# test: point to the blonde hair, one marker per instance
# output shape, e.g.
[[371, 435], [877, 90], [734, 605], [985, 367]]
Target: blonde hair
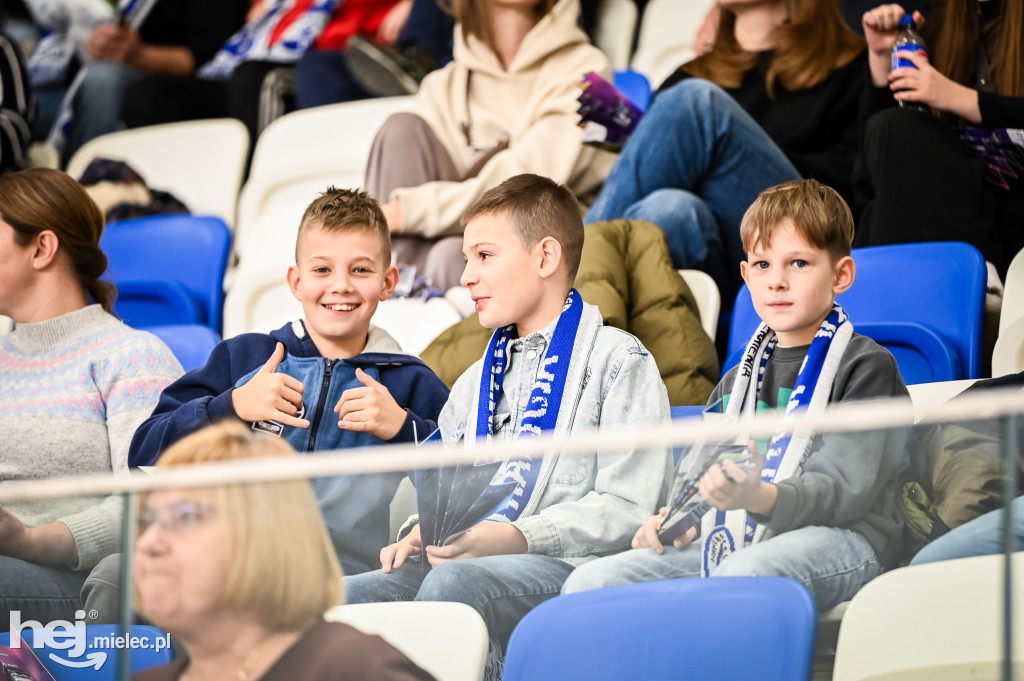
[[818, 212], [283, 567], [811, 45], [346, 210]]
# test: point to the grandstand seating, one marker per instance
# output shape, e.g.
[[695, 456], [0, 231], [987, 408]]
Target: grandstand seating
[[449, 640], [167, 265], [922, 301], [737, 628], [200, 162], [297, 156], [1008, 354], [190, 343], [613, 34], [939, 621]]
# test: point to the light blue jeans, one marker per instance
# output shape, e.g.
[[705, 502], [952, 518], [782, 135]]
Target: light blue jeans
[[39, 592], [982, 536], [97, 104], [694, 164], [501, 588], [831, 562]]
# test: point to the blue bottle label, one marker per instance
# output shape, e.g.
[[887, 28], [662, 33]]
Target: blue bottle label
[[899, 62]]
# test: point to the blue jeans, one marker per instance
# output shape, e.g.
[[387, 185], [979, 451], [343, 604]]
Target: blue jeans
[[97, 104], [39, 592], [501, 588], [693, 166], [831, 562], [982, 536]]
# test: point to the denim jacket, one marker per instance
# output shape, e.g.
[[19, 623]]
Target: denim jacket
[[589, 505]]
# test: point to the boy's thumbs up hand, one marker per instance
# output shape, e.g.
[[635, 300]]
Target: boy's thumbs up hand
[[270, 396], [370, 408]]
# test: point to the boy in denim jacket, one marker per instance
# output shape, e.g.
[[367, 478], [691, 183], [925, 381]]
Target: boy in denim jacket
[[328, 381], [551, 367]]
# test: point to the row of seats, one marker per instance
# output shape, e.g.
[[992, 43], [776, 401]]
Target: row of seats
[[924, 302], [748, 628]]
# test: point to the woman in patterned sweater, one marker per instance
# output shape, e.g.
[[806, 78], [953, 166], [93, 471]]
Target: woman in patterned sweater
[[75, 383]]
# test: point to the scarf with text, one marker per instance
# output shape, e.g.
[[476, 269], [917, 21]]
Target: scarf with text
[[542, 408], [725, 532]]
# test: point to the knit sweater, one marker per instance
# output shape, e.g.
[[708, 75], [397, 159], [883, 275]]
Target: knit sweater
[[73, 389]]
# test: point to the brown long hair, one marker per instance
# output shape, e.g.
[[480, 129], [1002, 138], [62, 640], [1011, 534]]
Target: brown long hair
[[813, 43], [39, 199], [958, 29], [474, 16]]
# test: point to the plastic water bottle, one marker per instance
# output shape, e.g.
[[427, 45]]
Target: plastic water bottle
[[908, 41]]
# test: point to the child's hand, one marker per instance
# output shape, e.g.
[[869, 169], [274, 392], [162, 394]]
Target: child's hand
[[371, 409], [393, 556], [647, 536], [488, 538], [728, 487], [270, 396]]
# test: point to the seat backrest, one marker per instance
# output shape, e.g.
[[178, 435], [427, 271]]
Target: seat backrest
[[1008, 353], [190, 343], [188, 250], [331, 140], [635, 86], [613, 33], [709, 301], [938, 621], [1013, 293], [200, 162], [667, 30], [923, 301], [737, 628], [449, 640], [101, 649]]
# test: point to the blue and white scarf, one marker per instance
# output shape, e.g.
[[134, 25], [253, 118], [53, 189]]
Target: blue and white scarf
[[252, 41], [545, 400], [725, 532]]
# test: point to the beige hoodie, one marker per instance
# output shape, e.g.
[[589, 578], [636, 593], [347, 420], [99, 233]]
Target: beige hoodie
[[532, 105]]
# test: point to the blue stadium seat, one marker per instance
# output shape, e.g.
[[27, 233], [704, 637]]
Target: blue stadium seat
[[922, 301], [635, 86], [167, 265], [98, 660], [190, 343], [675, 630]]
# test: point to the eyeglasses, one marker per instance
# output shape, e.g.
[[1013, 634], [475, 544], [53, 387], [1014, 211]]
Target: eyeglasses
[[176, 519]]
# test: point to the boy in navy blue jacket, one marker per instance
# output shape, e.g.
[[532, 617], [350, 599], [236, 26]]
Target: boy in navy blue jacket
[[328, 381]]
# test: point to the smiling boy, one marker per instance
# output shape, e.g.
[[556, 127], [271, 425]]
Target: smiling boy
[[328, 381], [551, 366], [825, 509]]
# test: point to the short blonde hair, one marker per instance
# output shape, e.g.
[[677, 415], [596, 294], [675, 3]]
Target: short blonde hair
[[346, 210], [283, 566], [818, 212]]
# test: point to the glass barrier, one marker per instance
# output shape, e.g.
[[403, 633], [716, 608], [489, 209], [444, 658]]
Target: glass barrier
[[228, 552]]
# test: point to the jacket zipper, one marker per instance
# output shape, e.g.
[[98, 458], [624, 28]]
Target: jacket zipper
[[324, 388]]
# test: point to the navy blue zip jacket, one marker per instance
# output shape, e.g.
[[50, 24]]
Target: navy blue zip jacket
[[356, 508]]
